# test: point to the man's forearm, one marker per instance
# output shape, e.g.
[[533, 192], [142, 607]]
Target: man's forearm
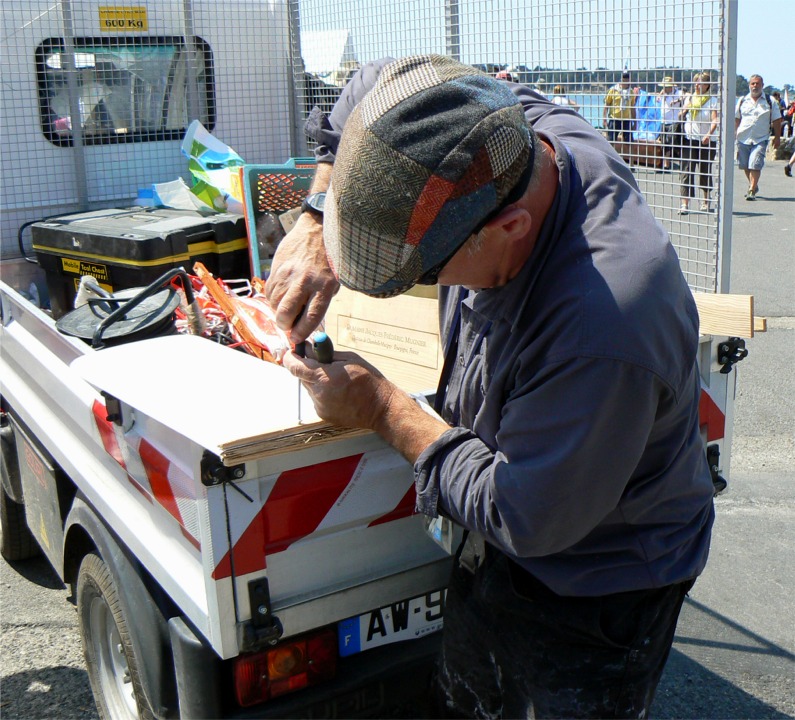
[[322, 178], [407, 427]]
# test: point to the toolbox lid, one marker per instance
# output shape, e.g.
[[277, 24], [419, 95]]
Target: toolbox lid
[[134, 234]]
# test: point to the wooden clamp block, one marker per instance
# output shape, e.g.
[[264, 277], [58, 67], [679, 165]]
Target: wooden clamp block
[[730, 315]]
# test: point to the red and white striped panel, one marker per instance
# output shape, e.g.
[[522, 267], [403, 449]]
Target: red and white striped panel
[[712, 415], [302, 504], [156, 477]]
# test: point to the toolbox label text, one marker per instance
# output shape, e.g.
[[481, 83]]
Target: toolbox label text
[[81, 267], [121, 19]]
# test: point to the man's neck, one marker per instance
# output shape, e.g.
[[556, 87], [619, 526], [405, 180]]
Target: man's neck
[[542, 191]]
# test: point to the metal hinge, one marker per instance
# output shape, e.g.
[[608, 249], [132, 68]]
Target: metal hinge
[[713, 460], [264, 628], [214, 472], [730, 352]]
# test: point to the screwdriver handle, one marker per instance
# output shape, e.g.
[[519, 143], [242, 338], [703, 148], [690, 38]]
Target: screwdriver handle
[[323, 347]]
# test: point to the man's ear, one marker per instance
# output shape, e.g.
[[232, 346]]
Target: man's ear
[[513, 223]]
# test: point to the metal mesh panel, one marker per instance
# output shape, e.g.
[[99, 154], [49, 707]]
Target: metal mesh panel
[[135, 75], [576, 47]]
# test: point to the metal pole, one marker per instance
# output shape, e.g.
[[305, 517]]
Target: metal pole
[[728, 92], [452, 21], [193, 106], [296, 82], [69, 63]]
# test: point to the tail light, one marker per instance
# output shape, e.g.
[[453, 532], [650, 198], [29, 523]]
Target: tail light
[[285, 668]]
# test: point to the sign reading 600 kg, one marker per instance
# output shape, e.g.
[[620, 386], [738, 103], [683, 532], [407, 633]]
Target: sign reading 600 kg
[[122, 19]]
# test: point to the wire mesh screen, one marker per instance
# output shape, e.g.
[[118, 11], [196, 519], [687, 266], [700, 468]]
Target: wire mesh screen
[[96, 98], [575, 52]]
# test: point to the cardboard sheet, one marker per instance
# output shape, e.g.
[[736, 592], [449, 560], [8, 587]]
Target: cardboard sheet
[[252, 404]]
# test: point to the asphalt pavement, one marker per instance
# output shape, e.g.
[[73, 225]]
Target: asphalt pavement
[[734, 651]]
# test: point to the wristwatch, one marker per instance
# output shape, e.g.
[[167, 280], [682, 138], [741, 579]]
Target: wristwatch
[[314, 203]]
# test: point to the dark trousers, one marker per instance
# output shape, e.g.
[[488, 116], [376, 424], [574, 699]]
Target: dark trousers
[[514, 649], [619, 128], [671, 140], [696, 167]]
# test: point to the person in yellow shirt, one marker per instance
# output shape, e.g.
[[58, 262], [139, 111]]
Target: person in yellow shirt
[[619, 110]]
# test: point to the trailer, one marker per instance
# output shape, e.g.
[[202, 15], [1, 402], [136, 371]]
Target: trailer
[[231, 555]]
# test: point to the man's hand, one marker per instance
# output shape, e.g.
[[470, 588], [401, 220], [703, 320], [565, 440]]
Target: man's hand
[[352, 393], [348, 391], [301, 285]]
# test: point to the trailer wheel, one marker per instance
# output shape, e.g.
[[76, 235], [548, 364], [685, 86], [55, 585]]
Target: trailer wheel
[[110, 657]]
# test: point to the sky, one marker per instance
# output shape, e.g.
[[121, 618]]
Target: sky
[[765, 41]]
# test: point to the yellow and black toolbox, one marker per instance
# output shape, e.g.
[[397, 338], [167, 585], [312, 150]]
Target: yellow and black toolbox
[[125, 248]]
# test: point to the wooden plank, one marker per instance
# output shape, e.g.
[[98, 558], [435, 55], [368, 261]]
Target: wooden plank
[[725, 314]]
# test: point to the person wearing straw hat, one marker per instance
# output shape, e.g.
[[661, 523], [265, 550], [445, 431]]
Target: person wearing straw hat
[[566, 440], [670, 100]]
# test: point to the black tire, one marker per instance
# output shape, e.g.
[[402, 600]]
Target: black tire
[[110, 658]]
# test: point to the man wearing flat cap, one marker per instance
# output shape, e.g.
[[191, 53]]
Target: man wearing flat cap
[[567, 442]]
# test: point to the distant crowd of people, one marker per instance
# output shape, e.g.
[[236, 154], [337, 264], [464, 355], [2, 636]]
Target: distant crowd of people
[[684, 123]]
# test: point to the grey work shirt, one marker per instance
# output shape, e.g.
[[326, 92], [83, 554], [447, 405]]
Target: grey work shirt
[[574, 395]]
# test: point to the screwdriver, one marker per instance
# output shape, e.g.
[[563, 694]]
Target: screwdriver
[[324, 353]]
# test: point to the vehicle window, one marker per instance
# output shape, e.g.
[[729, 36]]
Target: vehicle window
[[124, 90]]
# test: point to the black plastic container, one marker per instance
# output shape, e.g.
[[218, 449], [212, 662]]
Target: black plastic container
[[133, 247]]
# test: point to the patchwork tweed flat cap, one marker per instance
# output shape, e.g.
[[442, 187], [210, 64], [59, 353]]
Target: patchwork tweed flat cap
[[431, 152]]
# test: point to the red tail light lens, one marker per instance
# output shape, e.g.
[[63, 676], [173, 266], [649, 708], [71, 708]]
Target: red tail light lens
[[285, 668]]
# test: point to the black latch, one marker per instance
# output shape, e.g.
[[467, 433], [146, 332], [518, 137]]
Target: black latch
[[264, 627], [113, 406], [713, 460], [730, 352], [214, 472]]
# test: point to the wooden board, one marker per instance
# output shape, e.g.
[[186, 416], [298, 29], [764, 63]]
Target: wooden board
[[399, 335], [725, 314]]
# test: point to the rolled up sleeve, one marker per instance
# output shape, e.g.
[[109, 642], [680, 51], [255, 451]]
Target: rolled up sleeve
[[567, 444]]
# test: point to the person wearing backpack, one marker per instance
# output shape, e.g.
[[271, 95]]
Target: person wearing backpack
[[754, 116]]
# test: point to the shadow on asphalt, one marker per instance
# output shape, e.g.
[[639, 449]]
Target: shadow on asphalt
[[688, 689], [39, 571], [55, 692]]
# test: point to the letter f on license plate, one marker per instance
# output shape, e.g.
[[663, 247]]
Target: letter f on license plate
[[404, 620]]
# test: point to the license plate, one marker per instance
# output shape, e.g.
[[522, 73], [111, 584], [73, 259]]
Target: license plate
[[404, 620]]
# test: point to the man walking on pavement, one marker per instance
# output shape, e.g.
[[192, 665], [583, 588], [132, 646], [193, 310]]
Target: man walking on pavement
[[567, 442], [755, 115]]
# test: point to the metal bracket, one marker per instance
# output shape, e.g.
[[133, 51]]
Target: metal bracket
[[713, 460], [214, 472], [264, 627], [730, 352], [115, 414]]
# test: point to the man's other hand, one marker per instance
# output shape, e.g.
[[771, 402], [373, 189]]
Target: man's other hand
[[301, 284]]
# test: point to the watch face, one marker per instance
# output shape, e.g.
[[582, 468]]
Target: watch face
[[315, 201]]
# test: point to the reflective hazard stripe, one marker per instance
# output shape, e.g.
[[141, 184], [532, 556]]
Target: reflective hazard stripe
[[711, 417], [307, 502], [151, 473]]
